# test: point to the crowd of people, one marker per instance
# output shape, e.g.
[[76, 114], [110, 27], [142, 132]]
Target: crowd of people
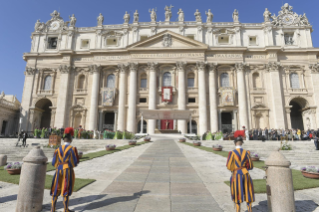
[[282, 134]]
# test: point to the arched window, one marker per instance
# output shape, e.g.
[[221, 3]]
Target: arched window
[[110, 82], [167, 80], [256, 80], [190, 80], [143, 81], [294, 81], [81, 82], [224, 80], [47, 83]]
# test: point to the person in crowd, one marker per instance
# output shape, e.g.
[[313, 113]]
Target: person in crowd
[[239, 163], [263, 135], [274, 135], [62, 131], [65, 158], [299, 134], [24, 138], [255, 134], [266, 133]]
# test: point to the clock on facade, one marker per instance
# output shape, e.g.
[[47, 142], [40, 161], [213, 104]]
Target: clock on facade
[[287, 19], [55, 25]]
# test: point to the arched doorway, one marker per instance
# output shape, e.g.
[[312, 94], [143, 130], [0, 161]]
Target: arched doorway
[[194, 127], [144, 127], [296, 113], [109, 121], [44, 106]]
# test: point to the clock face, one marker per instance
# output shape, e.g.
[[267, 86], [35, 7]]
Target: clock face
[[55, 25], [287, 19]]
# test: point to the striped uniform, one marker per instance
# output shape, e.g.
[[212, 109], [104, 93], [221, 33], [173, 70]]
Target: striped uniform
[[241, 187], [65, 158]]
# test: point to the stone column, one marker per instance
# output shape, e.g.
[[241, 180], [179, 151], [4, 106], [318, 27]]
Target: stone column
[[315, 79], [32, 181], [27, 96], [152, 95], [182, 125], [142, 120], [242, 101], [213, 97], [115, 121], [101, 121], [122, 96], [202, 103], [220, 119], [94, 103], [277, 97], [131, 118], [61, 110], [288, 117]]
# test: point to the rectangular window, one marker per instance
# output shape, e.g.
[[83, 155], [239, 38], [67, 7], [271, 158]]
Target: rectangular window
[[289, 39], [111, 41], [190, 82], [223, 40], [191, 100], [143, 37], [252, 41], [85, 44], [142, 100], [191, 37], [52, 43], [143, 83]]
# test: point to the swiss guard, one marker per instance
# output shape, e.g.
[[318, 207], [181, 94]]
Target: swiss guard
[[239, 163], [65, 158]]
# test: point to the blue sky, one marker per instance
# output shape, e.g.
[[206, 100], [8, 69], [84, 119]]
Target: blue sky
[[17, 19]]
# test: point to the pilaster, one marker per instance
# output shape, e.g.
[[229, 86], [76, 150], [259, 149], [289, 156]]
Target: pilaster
[[131, 122], [213, 97], [95, 72], [182, 125], [152, 68], [202, 102], [242, 100]]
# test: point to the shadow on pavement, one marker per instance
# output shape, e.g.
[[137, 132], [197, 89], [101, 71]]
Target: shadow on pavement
[[301, 206], [8, 198]]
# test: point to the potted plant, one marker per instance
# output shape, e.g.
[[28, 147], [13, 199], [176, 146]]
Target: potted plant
[[285, 146], [182, 140], [197, 143], [147, 139], [13, 168], [110, 147], [254, 156], [80, 154], [217, 147], [132, 142], [310, 172], [36, 133]]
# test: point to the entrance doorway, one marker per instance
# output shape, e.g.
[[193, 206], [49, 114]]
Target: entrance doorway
[[295, 116], [226, 122], [194, 127], [109, 121], [167, 124], [45, 106], [4, 127], [144, 127]]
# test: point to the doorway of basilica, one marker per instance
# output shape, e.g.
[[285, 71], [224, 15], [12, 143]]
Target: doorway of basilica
[[226, 122], [167, 124], [43, 105], [109, 121], [296, 116]]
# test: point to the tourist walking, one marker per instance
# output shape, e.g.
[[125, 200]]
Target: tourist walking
[[65, 158], [239, 163], [24, 138]]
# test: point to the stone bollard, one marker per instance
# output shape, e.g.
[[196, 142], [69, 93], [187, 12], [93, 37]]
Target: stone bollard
[[3, 160], [280, 189], [32, 180]]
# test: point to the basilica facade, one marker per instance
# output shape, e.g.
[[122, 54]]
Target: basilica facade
[[227, 74]]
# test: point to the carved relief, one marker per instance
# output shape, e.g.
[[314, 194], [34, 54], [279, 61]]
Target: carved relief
[[65, 69], [273, 66], [180, 65], [167, 40]]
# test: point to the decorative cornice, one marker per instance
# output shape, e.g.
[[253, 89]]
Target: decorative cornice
[[273, 66], [65, 69], [94, 68], [180, 65], [152, 66], [201, 65]]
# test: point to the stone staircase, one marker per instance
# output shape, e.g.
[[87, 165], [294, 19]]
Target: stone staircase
[[303, 153], [8, 146]]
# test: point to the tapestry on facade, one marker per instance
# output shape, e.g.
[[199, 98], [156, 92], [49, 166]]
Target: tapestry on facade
[[227, 96], [167, 94], [108, 96]]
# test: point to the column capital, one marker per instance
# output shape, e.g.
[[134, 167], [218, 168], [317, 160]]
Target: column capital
[[201, 65], [152, 66], [273, 66], [65, 69], [314, 68], [122, 67], [239, 67], [133, 66], [29, 71], [180, 65], [212, 66], [94, 68]]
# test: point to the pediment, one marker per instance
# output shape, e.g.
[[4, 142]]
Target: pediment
[[167, 40]]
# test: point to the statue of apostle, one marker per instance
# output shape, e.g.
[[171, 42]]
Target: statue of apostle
[[267, 15], [180, 15], [198, 16], [210, 16], [153, 15], [100, 20], [168, 13], [72, 20], [235, 16], [136, 17], [126, 18]]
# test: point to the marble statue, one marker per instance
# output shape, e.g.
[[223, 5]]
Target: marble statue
[[235, 16], [153, 15], [126, 18], [267, 15], [168, 13], [38, 27], [210, 16], [100, 20], [198, 16], [180, 15], [136, 17], [72, 20]]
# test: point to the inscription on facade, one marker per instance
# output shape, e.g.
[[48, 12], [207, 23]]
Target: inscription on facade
[[255, 56], [225, 55]]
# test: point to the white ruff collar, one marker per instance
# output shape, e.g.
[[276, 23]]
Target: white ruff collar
[[67, 143], [238, 147]]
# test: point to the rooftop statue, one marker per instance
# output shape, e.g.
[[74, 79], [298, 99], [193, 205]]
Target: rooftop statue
[[136, 17], [180, 15], [153, 15], [126, 18], [38, 27], [235, 16], [267, 15], [55, 15], [72, 20], [100, 20], [168, 12], [210, 16], [198, 16]]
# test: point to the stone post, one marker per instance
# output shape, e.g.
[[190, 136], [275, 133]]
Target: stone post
[[181, 94], [32, 180], [280, 189], [201, 68], [213, 98], [95, 71], [122, 97], [3, 160], [242, 102], [152, 95], [131, 124]]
